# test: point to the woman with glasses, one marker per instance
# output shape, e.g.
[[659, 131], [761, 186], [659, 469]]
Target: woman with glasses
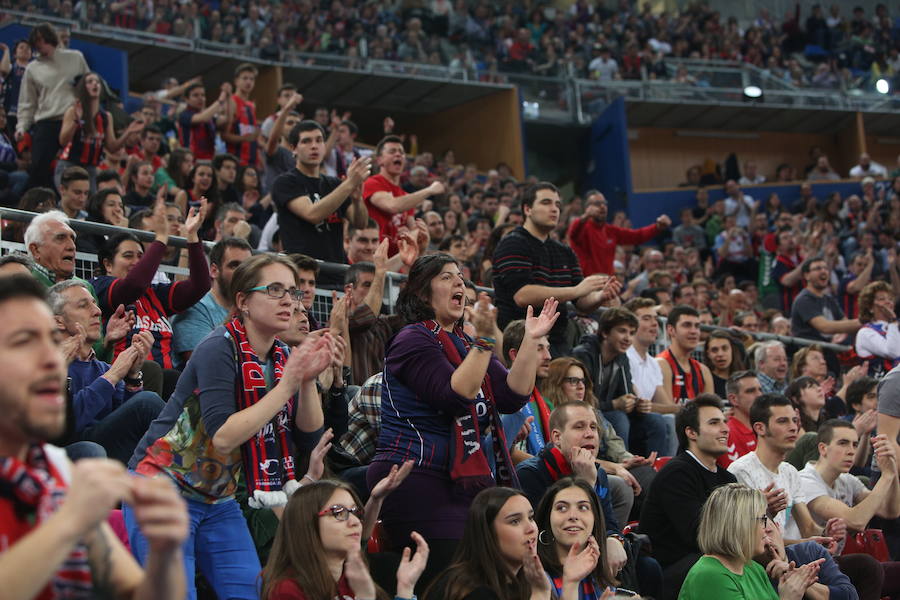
[[246, 407], [127, 280], [568, 381], [733, 529], [442, 391], [317, 550]]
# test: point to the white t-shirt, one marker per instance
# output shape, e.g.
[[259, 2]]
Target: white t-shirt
[[846, 489], [646, 374], [750, 471]]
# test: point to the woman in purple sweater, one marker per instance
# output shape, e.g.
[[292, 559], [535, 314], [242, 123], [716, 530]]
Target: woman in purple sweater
[[441, 397]]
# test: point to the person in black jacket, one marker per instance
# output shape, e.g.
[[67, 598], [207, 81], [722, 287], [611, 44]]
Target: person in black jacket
[[604, 354], [671, 512]]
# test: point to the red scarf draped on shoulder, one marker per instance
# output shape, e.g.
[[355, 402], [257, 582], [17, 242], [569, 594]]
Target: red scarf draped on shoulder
[[268, 456], [469, 469]]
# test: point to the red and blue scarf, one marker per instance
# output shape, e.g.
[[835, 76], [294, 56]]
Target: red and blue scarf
[[268, 456]]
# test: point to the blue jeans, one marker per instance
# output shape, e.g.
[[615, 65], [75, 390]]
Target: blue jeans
[[219, 543], [642, 433]]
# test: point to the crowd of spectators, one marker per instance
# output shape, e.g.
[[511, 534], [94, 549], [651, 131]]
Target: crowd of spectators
[[828, 48], [524, 441]]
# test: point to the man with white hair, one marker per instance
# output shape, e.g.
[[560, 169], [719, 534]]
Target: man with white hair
[[51, 243], [771, 367]]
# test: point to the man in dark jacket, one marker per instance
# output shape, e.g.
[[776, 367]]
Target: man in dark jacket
[[671, 512], [604, 355]]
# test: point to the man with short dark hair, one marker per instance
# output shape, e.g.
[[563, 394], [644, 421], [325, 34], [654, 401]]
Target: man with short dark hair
[[816, 314], [52, 513], [225, 167], [594, 240], [241, 132], [312, 207], [211, 310], [683, 375], [787, 270], [530, 267], [45, 95], [388, 204], [231, 221], [74, 188], [197, 123], [671, 512], [342, 150], [605, 355], [742, 388]]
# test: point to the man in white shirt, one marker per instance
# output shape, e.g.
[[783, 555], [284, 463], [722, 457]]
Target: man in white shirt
[[646, 374], [751, 175], [776, 425], [868, 168], [738, 204], [604, 67], [831, 491]]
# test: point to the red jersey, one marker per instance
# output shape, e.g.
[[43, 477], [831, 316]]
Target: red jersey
[[685, 385], [741, 441], [155, 160], [83, 150], [288, 589], [595, 243], [244, 123], [388, 224]]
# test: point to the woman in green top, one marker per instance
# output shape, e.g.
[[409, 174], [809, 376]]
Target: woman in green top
[[733, 529]]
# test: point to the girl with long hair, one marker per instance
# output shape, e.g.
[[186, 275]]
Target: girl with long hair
[[497, 557], [570, 523], [442, 390], [724, 357], [105, 206], [87, 130], [734, 527], [175, 172], [316, 552], [201, 184], [244, 408]]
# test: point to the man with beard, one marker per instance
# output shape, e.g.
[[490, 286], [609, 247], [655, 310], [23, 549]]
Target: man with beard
[[211, 310], [595, 241], [816, 314], [56, 541], [530, 267], [312, 207]]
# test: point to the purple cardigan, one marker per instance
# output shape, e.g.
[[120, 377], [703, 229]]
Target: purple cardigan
[[418, 405]]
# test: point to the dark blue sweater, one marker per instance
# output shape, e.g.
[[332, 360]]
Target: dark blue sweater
[[93, 397]]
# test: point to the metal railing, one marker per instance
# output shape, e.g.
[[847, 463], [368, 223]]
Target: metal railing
[[565, 98], [86, 266]]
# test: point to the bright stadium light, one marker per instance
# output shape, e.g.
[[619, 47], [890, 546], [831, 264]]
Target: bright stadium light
[[882, 86], [753, 92]]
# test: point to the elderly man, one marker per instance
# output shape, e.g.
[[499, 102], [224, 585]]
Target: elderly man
[[771, 367], [51, 243], [53, 516]]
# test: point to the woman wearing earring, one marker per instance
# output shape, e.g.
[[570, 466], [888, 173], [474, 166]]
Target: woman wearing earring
[[441, 392], [497, 556], [733, 529], [570, 522], [316, 553], [244, 405]]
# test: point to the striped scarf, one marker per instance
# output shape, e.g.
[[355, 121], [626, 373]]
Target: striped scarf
[[268, 456], [38, 491]]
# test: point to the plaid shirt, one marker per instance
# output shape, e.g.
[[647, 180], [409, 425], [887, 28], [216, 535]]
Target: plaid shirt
[[364, 423]]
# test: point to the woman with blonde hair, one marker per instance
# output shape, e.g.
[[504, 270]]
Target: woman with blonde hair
[[733, 529]]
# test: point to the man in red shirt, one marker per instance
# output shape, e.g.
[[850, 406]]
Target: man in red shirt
[[742, 389], [387, 203], [54, 538], [594, 241]]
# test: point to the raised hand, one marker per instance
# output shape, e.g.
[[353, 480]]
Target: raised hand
[[581, 563], [776, 499], [78, 109], [357, 573], [581, 461], [194, 220], [317, 456], [539, 326], [358, 170], [534, 574], [484, 316], [388, 125], [71, 346], [663, 222], [392, 480], [380, 256], [411, 566], [119, 324], [865, 422], [408, 248]]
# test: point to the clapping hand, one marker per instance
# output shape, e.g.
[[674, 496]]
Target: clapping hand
[[317, 456], [581, 563], [539, 326], [392, 480], [411, 566], [119, 324]]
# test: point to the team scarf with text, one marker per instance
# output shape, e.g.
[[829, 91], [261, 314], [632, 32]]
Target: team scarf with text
[[469, 469], [267, 456]]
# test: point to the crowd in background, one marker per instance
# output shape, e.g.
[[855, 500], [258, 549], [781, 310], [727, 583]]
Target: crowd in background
[[828, 48]]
